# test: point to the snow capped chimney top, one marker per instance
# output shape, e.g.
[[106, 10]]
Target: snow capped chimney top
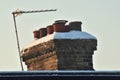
[[61, 35], [72, 31]]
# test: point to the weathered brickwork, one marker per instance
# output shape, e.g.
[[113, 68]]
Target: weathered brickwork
[[61, 54]]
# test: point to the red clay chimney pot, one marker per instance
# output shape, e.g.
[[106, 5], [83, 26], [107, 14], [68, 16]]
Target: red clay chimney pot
[[50, 29], [36, 34], [43, 32]]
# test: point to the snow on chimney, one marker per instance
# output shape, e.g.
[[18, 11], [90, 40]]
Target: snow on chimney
[[60, 47]]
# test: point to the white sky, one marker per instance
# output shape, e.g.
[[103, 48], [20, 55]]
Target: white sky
[[99, 17]]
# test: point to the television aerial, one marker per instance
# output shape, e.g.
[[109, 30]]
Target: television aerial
[[19, 12]]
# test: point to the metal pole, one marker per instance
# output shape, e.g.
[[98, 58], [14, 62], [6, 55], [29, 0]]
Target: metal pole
[[17, 41], [36, 11]]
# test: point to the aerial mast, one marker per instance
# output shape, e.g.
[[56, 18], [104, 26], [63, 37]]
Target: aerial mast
[[15, 14]]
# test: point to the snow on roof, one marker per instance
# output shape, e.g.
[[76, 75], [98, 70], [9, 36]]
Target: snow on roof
[[61, 35]]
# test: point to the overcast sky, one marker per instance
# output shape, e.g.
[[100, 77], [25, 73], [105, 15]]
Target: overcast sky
[[100, 18]]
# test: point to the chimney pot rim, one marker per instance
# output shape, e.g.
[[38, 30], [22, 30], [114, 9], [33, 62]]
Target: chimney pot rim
[[42, 29], [76, 22], [61, 21]]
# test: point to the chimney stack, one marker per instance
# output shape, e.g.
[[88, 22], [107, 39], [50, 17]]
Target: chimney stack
[[67, 49]]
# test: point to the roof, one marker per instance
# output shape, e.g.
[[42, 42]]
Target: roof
[[64, 75]]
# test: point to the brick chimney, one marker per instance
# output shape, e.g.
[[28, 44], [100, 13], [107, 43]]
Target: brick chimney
[[61, 49]]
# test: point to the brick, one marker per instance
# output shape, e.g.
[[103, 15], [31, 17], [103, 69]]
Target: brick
[[62, 54]]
